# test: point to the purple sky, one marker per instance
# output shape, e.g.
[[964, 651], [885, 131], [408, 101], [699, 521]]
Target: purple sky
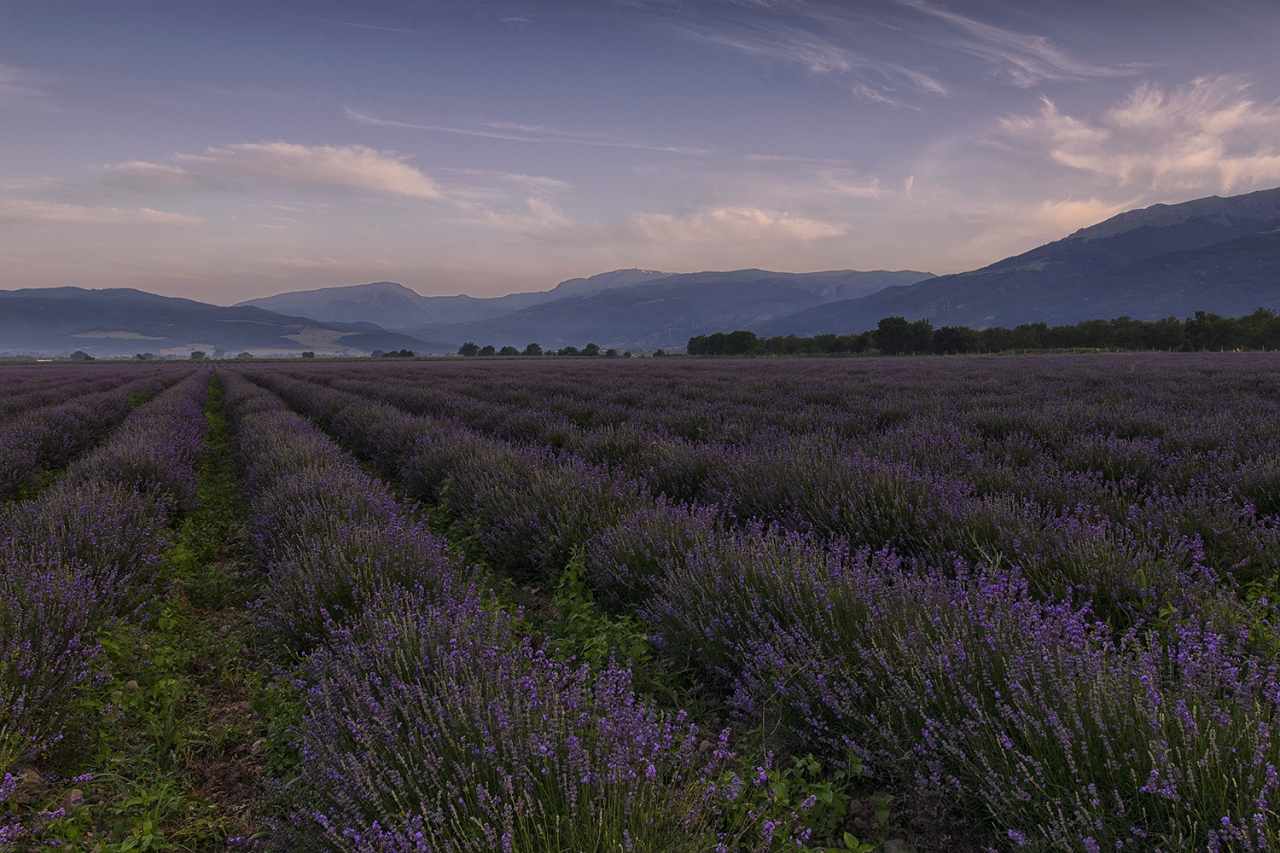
[[223, 151]]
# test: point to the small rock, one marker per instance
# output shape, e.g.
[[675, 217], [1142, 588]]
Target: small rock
[[131, 685], [706, 746], [71, 800], [896, 845], [258, 746], [31, 780]]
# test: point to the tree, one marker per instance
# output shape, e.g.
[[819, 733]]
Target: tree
[[197, 355], [591, 350], [245, 355], [611, 353], [488, 350], [533, 349], [955, 339], [81, 355], [1030, 336], [308, 354], [568, 351], [468, 349], [994, 339], [893, 336], [508, 350]]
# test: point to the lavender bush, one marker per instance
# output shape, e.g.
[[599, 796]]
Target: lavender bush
[[439, 728], [1025, 591], [329, 536], [83, 552]]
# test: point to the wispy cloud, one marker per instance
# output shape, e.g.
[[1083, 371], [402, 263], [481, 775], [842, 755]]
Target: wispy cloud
[[352, 167], [525, 133], [22, 212], [485, 180], [22, 84], [738, 226], [773, 40], [368, 26], [1024, 59], [889, 50], [1210, 134]]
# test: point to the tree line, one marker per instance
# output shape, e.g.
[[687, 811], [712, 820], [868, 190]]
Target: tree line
[[898, 336], [470, 349]]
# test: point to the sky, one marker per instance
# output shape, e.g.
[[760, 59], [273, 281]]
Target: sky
[[231, 150]]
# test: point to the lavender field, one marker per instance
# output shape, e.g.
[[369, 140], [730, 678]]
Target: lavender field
[[936, 604]]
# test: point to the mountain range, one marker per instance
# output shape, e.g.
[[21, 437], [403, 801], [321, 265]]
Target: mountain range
[[1213, 254], [123, 321]]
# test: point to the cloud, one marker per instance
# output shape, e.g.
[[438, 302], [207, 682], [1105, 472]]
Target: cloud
[[353, 167], [889, 49], [512, 132], [370, 27], [772, 40], [1209, 134], [721, 225], [22, 84], [304, 263], [140, 176], [717, 225], [21, 212], [1026, 60], [1055, 218], [539, 217]]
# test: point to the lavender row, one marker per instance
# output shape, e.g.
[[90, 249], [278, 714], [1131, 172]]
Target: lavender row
[[966, 692], [962, 680], [527, 508], [25, 387], [925, 493], [49, 437], [84, 552], [432, 723]]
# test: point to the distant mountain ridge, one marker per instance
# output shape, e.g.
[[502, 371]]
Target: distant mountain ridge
[[394, 306], [1211, 262], [124, 321], [1214, 254], [667, 311]]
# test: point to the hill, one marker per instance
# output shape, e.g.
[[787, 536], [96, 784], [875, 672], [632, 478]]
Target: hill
[[1148, 264], [124, 321], [394, 306], [667, 311]]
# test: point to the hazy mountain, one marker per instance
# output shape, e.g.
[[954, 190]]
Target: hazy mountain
[[1149, 263], [667, 311], [123, 321], [394, 306]]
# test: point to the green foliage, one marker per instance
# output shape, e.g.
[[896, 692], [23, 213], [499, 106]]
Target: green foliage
[[583, 632], [819, 807], [161, 727]]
